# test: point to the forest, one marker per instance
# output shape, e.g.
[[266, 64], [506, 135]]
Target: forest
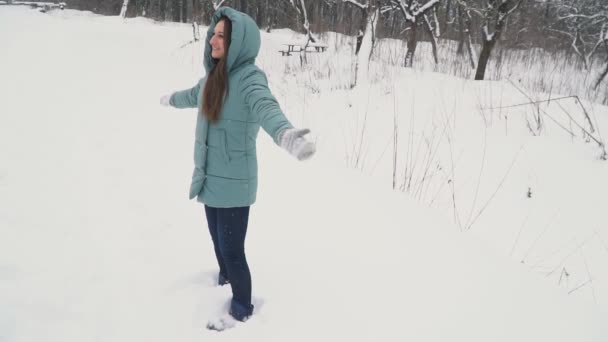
[[465, 35]]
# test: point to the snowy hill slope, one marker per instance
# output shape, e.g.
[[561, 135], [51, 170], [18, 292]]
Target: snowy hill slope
[[98, 241]]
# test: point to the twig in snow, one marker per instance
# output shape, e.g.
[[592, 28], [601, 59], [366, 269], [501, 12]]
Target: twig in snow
[[600, 143], [519, 234], [581, 245], [187, 43], [537, 264], [539, 237], [395, 138], [602, 241], [590, 277], [483, 162], [589, 281], [532, 102], [563, 274], [496, 191], [452, 187]]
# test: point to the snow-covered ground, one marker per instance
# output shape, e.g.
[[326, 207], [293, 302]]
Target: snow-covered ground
[[98, 241]]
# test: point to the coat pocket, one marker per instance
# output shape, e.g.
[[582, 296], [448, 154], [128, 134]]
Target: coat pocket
[[224, 145]]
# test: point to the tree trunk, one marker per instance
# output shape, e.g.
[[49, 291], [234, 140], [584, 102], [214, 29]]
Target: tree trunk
[[306, 24], [484, 57], [461, 28], [363, 27], [144, 8], [359, 41], [196, 12], [582, 54], [183, 9], [123, 10], [448, 9], [412, 42], [393, 24], [268, 17], [469, 39], [367, 46], [490, 39], [471, 50], [433, 38], [163, 9], [175, 10], [602, 75]]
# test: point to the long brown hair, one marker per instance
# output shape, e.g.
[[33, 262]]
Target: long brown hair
[[216, 87]]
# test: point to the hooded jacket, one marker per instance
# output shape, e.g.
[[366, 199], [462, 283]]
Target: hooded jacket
[[225, 163]]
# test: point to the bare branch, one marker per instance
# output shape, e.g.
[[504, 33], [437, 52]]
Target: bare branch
[[426, 7], [356, 3], [385, 9], [602, 16], [561, 32], [217, 3], [514, 8]]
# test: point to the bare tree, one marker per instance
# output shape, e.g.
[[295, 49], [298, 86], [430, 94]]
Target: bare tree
[[585, 24], [413, 11], [581, 21], [367, 36], [432, 26], [123, 10], [300, 7], [217, 4], [604, 36], [196, 19], [494, 16], [365, 8], [464, 19]]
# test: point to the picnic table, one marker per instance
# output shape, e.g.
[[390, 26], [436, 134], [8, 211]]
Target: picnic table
[[41, 5], [298, 47]]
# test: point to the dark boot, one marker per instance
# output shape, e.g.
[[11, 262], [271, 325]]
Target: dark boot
[[239, 311], [222, 280]]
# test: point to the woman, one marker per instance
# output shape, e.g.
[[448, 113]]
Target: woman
[[233, 101]]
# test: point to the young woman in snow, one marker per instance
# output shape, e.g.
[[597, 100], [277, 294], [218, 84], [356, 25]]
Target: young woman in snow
[[233, 102]]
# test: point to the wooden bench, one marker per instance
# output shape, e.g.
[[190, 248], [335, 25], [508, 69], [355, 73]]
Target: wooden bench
[[318, 47], [40, 5]]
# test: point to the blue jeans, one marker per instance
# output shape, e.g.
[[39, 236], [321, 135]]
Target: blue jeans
[[228, 227]]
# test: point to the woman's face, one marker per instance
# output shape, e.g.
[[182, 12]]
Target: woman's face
[[218, 47]]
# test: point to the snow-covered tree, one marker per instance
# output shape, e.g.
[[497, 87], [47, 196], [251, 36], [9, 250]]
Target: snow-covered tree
[[123, 10], [217, 4], [371, 15], [464, 20], [300, 7], [585, 24], [493, 15], [604, 39], [415, 12]]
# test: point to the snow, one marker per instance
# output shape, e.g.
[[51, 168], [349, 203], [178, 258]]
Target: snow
[[487, 35], [99, 242]]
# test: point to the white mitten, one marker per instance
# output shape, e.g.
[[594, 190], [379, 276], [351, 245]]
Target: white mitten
[[293, 141], [165, 100]]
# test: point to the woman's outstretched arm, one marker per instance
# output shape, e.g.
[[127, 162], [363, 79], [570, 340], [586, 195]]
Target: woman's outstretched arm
[[186, 98], [263, 104]]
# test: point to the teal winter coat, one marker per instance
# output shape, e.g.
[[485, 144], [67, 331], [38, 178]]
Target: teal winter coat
[[225, 163]]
